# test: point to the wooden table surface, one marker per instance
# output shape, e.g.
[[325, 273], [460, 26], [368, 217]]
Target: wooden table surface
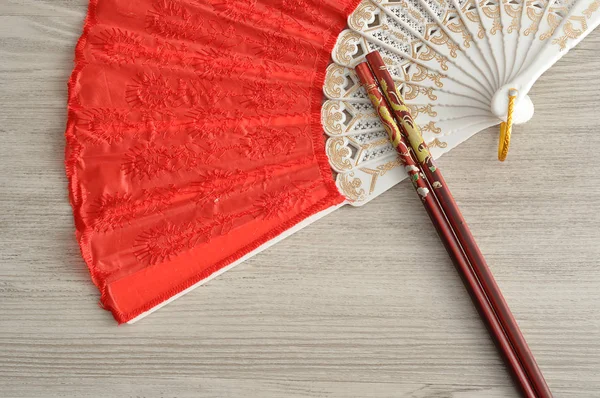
[[340, 309]]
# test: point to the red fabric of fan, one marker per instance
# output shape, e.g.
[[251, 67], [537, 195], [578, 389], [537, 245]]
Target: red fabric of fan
[[194, 137]]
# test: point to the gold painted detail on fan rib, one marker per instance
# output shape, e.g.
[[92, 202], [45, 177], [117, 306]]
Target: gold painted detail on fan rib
[[351, 187], [471, 13], [412, 91], [334, 80], [424, 74], [429, 54], [364, 13], [346, 47], [436, 143], [514, 12], [399, 35], [553, 20], [375, 144], [416, 110], [380, 171], [492, 11], [412, 11], [460, 28], [332, 117], [593, 7], [443, 39], [431, 127], [339, 154], [535, 15], [570, 30]]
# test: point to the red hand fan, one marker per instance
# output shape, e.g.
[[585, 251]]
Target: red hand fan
[[194, 138]]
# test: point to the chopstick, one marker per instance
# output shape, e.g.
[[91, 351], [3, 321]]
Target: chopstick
[[450, 225], [459, 225]]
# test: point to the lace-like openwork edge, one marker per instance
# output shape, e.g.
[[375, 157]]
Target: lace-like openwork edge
[[77, 196]]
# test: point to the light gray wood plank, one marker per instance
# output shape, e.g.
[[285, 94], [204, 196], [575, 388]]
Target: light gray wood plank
[[313, 316]]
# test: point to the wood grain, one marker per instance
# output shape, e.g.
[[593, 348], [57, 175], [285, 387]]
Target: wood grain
[[314, 316]]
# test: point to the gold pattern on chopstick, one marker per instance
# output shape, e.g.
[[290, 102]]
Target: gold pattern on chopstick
[[409, 127], [387, 120]]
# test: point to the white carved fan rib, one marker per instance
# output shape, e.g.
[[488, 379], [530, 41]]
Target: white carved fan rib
[[489, 14], [510, 16], [469, 14], [531, 16]]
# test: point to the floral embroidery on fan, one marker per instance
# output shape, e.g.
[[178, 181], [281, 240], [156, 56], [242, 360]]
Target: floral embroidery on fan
[[107, 125], [118, 46], [240, 11], [267, 142], [312, 9], [277, 46], [161, 90], [212, 64], [151, 160], [153, 91], [274, 204], [170, 19], [219, 185], [201, 124], [236, 11], [265, 96], [164, 242], [121, 47], [113, 211]]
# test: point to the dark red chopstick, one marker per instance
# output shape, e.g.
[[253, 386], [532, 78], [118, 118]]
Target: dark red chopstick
[[457, 238]]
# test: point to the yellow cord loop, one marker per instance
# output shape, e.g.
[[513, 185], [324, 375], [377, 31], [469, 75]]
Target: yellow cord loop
[[506, 127]]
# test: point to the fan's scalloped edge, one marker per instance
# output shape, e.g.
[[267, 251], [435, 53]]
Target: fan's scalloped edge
[[334, 198]]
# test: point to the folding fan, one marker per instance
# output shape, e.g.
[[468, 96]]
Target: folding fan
[[195, 136]]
